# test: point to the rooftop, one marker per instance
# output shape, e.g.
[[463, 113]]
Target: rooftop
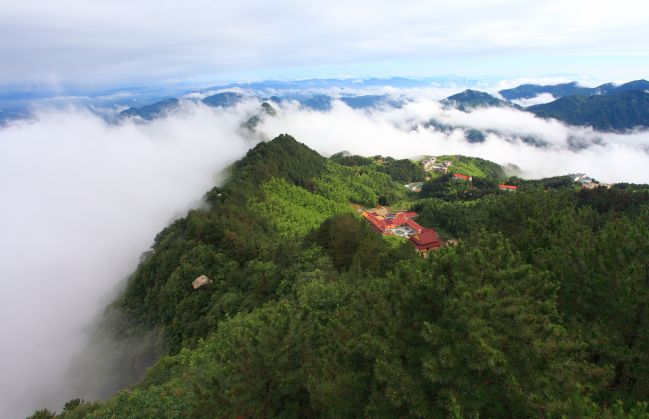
[[401, 224]]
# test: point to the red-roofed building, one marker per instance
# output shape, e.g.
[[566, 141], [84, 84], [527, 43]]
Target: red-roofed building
[[422, 238], [375, 221], [426, 240], [507, 187], [398, 220], [412, 224], [462, 177]]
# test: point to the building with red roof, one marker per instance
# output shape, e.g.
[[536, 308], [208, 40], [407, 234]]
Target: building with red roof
[[391, 221], [422, 238], [507, 187], [377, 222], [413, 224], [462, 177], [426, 240]]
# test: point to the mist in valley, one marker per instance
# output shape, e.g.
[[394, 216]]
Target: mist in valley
[[82, 199]]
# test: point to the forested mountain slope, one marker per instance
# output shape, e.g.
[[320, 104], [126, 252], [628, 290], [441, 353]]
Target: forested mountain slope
[[540, 310], [526, 91], [618, 112]]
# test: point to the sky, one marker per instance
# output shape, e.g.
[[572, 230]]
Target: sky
[[90, 44]]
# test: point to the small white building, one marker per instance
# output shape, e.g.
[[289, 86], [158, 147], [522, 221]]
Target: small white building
[[201, 281]]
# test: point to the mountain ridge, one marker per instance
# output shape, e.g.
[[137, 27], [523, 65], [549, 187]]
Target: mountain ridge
[[310, 312], [613, 112], [528, 91]]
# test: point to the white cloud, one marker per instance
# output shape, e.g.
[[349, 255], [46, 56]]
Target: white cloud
[[81, 201], [76, 41], [536, 100], [401, 133]]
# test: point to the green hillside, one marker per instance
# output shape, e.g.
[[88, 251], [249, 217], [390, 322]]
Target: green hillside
[[474, 166], [616, 112], [540, 310]]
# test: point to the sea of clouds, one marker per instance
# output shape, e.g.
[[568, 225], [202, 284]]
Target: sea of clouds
[[82, 199], [405, 133]]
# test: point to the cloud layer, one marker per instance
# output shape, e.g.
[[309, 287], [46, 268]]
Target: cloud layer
[[83, 199], [403, 133], [80, 42]]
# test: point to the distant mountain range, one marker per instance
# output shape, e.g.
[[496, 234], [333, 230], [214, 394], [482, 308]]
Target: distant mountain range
[[162, 107], [224, 99], [318, 102], [7, 115], [370, 101], [353, 84], [528, 91], [607, 107], [153, 111]]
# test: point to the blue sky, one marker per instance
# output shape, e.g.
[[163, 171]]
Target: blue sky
[[93, 44]]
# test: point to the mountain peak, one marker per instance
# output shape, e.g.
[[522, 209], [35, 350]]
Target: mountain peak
[[471, 99], [152, 111], [223, 99]]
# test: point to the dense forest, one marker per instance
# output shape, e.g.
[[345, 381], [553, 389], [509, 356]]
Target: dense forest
[[539, 309]]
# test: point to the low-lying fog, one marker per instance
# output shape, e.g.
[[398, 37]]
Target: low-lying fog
[[82, 199]]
